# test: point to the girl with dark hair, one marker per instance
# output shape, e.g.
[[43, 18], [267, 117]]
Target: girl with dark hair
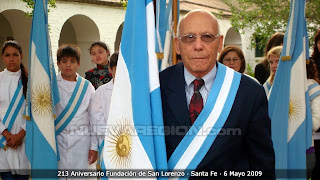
[[99, 75], [13, 87]]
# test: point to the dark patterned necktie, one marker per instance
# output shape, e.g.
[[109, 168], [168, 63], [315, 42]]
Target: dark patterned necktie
[[196, 103]]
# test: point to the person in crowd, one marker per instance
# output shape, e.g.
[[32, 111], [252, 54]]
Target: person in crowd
[[101, 103], [201, 94], [262, 71], [314, 92], [77, 148], [273, 57], [316, 51], [13, 87], [99, 75], [232, 56]]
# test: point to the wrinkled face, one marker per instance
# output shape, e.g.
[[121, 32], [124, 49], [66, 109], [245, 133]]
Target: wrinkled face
[[12, 58], [199, 57], [232, 60], [69, 67], [274, 61], [99, 55]]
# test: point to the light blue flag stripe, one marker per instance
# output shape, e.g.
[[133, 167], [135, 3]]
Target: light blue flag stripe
[[134, 51], [160, 25]]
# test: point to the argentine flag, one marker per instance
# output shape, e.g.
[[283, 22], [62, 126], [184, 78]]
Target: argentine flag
[[134, 137], [289, 105], [42, 95], [168, 35]]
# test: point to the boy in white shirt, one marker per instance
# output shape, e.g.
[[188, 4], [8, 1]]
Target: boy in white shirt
[[77, 147]]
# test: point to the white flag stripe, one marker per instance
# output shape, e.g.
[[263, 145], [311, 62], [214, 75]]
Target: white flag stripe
[[122, 108], [74, 103], [44, 121], [199, 139], [152, 58], [297, 93]]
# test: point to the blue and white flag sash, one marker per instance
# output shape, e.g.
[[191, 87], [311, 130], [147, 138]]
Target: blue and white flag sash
[[196, 143], [267, 88], [12, 112], [73, 105], [100, 160], [314, 90]]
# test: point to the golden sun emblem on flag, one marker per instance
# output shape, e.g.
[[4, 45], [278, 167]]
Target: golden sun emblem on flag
[[120, 139], [41, 100], [294, 108]]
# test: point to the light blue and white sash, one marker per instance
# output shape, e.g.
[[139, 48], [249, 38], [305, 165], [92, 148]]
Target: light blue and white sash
[[314, 90], [100, 161], [196, 143], [73, 105], [267, 88], [12, 111]]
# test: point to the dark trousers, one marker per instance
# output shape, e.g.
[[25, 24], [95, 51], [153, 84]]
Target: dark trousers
[[316, 171], [9, 176]]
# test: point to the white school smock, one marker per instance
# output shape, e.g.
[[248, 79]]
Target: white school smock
[[14, 160], [75, 140], [315, 108], [100, 108]]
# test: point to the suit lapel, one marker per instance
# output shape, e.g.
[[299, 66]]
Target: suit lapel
[[177, 96]]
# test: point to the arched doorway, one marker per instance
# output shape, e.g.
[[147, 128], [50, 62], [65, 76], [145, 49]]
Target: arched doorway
[[233, 38], [15, 25], [81, 31]]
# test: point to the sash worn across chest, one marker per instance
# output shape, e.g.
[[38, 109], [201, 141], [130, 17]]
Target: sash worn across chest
[[73, 105], [314, 90], [12, 112], [197, 142]]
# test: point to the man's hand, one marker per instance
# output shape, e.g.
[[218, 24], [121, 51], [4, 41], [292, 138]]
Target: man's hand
[[93, 156]]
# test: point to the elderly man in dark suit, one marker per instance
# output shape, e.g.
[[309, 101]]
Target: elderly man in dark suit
[[218, 118]]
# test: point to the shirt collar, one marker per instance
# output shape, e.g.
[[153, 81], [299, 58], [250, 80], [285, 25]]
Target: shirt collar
[[208, 78], [18, 73]]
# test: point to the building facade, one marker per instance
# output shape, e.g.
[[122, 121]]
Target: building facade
[[82, 22]]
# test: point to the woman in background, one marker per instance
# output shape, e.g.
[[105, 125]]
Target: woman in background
[[262, 71], [273, 57]]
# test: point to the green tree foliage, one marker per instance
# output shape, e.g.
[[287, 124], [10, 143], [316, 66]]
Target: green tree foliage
[[266, 17], [30, 4]]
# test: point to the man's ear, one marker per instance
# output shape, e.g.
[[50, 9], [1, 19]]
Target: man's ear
[[177, 42]]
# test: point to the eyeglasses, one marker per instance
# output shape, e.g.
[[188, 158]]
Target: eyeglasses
[[191, 38], [228, 60]]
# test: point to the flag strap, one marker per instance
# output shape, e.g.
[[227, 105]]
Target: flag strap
[[160, 56], [286, 58]]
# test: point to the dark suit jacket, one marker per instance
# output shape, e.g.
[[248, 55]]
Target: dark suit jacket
[[251, 149]]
